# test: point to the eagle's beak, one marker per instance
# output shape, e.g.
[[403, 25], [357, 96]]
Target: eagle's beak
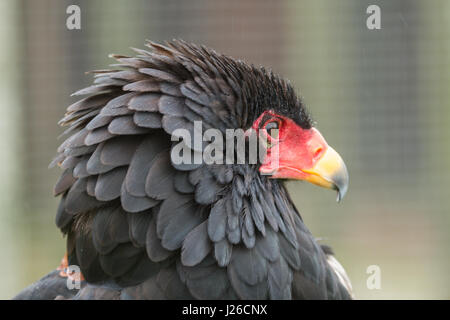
[[329, 172], [303, 154]]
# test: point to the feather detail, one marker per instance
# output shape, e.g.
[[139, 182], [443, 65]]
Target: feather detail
[[145, 102], [125, 125], [150, 120], [217, 221], [140, 165], [119, 151], [159, 183], [196, 246], [155, 250], [109, 184]]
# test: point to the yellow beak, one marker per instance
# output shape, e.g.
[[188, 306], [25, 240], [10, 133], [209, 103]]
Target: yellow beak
[[329, 172]]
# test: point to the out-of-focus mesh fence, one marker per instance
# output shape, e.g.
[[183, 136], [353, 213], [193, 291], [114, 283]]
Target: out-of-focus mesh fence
[[380, 97]]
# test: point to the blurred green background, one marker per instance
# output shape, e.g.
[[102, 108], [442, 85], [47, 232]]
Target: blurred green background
[[380, 97]]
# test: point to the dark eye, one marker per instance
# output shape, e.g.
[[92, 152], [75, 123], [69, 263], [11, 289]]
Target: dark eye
[[272, 129]]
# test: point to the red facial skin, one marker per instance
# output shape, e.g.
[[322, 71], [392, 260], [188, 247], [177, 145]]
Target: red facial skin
[[298, 148]]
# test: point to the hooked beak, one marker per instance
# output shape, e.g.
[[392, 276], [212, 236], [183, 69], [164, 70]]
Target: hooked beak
[[329, 172]]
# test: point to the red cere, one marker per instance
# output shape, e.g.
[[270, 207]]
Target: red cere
[[294, 149]]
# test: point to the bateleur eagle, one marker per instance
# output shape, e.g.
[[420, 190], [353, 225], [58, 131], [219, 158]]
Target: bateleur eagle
[[140, 226]]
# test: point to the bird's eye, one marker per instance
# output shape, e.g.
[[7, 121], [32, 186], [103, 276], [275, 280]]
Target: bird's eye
[[272, 129]]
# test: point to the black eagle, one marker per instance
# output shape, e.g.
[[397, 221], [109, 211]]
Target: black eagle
[[140, 226]]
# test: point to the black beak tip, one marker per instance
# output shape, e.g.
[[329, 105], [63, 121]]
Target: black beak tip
[[340, 196], [341, 185]]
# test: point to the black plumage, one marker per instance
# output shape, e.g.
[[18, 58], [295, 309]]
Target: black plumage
[[141, 227]]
